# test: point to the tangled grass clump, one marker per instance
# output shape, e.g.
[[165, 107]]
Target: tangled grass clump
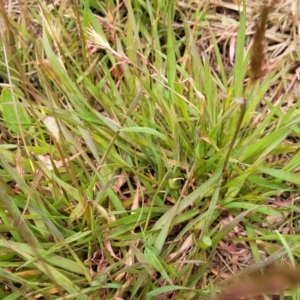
[[149, 149]]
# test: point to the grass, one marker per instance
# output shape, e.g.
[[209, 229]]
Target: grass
[[138, 159]]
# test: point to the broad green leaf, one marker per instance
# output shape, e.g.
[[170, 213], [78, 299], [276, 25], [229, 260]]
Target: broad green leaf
[[165, 289], [47, 256], [58, 277], [283, 175], [153, 261], [287, 247], [262, 147], [240, 65], [146, 130], [14, 112], [263, 209], [204, 236]]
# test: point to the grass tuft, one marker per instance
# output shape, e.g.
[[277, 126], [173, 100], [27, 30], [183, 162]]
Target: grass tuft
[[139, 159]]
